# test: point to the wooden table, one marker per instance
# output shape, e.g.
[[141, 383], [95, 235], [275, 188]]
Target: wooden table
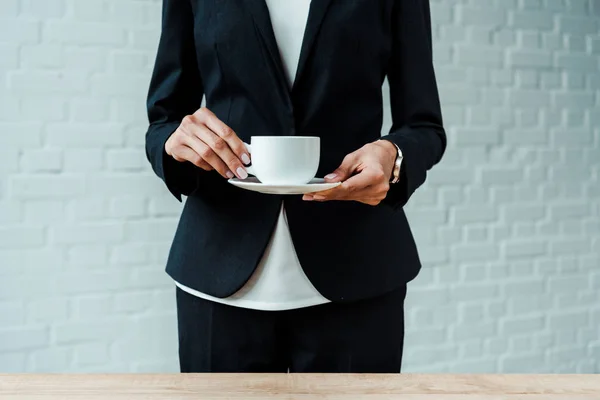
[[304, 387]]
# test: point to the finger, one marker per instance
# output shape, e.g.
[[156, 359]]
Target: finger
[[345, 170], [209, 156], [219, 147], [184, 153], [227, 134]]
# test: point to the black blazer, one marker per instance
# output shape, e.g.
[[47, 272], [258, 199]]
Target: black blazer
[[226, 50]]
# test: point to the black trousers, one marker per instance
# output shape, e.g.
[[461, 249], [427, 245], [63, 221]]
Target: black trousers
[[361, 337]]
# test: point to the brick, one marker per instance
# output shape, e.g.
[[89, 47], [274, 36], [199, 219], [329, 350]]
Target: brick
[[15, 339], [133, 302], [551, 80], [19, 31], [528, 325], [131, 253], [83, 160], [476, 233], [528, 40], [130, 111], [482, 56], [473, 252], [128, 207], [87, 233], [113, 85], [10, 56], [43, 8], [500, 176], [84, 135], [524, 248], [530, 59], [567, 320], [577, 25], [51, 360], [13, 362], [88, 255], [504, 37], [529, 98], [21, 237], [20, 134], [477, 136], [552, 41], [47, 82], [569, 210], [126, 159], [48, 309], [95, 306], [44, 211], [91, 354], [484, 16], [473, 292], [9, 108], [521, 363], [47, 160], [166, 206], [80, 33], [578, 62], [538, 20], [569, 284], [469, 214], [144, 39], [525, 212], [528, 79], [10, 211], [108, 329], [79, 59], [124, 184], [43, 108], [91, 10], [473, 331], [95, 281], [42, 56], [50, 186], [569, 246], [12, 313], [133, 61], [529, 287], [129, 14], [9, 8], [88, 209], [89, 110]]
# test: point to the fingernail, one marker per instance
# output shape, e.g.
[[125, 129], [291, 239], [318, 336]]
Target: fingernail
[[307, 198], [230, 174], [331, 176], [242, 174], [245, 159], [317, 197]]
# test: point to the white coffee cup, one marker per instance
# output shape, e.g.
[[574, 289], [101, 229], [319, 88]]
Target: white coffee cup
[[284, 160]]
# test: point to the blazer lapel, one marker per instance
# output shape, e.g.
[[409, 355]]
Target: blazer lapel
[[260, 13], [318, 9]]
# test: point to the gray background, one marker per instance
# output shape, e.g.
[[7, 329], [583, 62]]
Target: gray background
[[508, 224]]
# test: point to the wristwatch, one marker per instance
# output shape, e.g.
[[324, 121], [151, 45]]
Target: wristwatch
[[397, 164]]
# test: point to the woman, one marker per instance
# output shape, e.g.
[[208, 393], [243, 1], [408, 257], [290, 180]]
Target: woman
[[312, 283]]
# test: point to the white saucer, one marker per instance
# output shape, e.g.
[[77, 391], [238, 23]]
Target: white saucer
[[252, 183]]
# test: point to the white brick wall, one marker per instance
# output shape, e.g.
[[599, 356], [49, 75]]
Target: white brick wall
[[508, 224]]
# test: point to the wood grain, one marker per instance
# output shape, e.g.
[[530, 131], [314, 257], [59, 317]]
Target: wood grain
[[305, 387]]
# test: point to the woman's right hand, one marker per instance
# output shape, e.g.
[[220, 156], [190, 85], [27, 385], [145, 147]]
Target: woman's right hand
[[205, 141]]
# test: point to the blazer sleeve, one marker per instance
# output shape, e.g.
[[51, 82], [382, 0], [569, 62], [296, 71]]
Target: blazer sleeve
[[175, 91], [417, 126]]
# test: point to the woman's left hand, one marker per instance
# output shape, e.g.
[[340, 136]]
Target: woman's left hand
[[365, 175]]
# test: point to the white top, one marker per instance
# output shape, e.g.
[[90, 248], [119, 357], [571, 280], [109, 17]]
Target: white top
[[279, 283]]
